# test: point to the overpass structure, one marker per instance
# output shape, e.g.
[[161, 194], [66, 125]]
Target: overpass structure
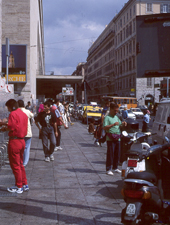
[[51, 85]]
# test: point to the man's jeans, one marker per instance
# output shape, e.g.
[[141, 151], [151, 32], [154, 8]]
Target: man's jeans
[[48, 133], [113, 155], [27, 150], [58, 138]]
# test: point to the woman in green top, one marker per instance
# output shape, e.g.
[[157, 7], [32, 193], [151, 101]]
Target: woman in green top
[[111, 126]]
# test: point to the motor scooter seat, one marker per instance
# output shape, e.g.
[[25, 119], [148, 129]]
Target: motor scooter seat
[[143, 176]]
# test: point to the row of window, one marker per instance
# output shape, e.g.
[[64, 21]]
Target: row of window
[[124, 83], [103, 71], [108, 57], [101, 52], [125, 50], [125, 33], [126, 18], [164, 8], [125, 66]]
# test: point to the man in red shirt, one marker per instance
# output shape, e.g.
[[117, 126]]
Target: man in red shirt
[[17, 127]]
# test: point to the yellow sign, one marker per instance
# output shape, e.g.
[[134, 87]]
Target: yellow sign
[[16, 78], [132, 90]]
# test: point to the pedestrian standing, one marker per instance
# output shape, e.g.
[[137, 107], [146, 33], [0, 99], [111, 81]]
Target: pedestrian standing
[[17, 127], [111, 125], [67, 114], [29, 106], [146, 118], [28, 137], [124, 113], [105, 112], [59, 121], [48, 129]]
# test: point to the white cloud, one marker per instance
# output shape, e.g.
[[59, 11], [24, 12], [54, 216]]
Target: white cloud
[[70, 26]]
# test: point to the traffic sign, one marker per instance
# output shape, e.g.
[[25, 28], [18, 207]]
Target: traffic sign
[[67, 91]]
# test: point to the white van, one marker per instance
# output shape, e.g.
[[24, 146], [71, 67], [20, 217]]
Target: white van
[[161, 124]]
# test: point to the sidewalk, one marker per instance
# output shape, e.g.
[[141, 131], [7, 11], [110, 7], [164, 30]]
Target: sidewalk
[[73, 189]]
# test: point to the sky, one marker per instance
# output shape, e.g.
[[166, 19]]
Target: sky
[[70, 28]]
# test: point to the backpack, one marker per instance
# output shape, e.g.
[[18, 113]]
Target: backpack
[[98, 132]]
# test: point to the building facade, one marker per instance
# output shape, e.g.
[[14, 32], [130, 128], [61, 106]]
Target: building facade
[[120, 58], [22, 24], [100, 65]]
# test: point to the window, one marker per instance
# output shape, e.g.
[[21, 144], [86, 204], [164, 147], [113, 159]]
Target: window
[[127, 16], [120, 22], [149, 82], [130, 13], [164, 8], [148, 7], [134, 26], [134, 9]]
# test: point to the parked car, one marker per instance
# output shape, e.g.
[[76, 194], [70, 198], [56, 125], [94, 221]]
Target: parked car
[[91, 112], [130, 114], [137, 112]]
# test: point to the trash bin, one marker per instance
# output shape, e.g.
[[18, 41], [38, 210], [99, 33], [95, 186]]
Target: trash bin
[[131, 128]]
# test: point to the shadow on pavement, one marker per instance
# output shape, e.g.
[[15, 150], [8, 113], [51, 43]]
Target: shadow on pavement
[[67, 219], [86, 145], [84, 170]]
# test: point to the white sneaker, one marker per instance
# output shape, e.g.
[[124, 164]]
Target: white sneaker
[[109, 172], [117, 171], [47, 159], [55, 149], [96, 143], [59, 148], [15, 189], [51, 157]]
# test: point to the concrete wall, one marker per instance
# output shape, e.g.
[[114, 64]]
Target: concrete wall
[[20, 23]]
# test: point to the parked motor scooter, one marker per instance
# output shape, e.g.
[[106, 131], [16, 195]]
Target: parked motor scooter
[[137, 146], [143, 192]]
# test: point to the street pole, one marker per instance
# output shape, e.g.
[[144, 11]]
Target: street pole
[[75, 93], [7, 55], [85, 94]]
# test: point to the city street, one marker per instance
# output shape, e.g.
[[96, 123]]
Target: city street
[[73, 189]]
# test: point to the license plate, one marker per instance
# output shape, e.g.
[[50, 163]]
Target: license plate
[[131, 209], [132, 163]]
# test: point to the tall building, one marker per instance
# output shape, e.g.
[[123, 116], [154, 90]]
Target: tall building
[[100, 73], [124, 76], [22, 24]]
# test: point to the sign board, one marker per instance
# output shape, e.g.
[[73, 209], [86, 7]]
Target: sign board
[[16, 78], [9, 88], [67, 91], [17, 63]]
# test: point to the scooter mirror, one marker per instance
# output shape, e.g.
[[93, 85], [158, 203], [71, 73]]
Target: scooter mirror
[[124, 133]]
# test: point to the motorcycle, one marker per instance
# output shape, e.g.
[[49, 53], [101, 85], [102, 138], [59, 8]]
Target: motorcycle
[[144, 192], [136, 146]]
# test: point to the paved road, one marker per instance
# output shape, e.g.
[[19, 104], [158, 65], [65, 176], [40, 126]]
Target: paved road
[[73, 189]]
